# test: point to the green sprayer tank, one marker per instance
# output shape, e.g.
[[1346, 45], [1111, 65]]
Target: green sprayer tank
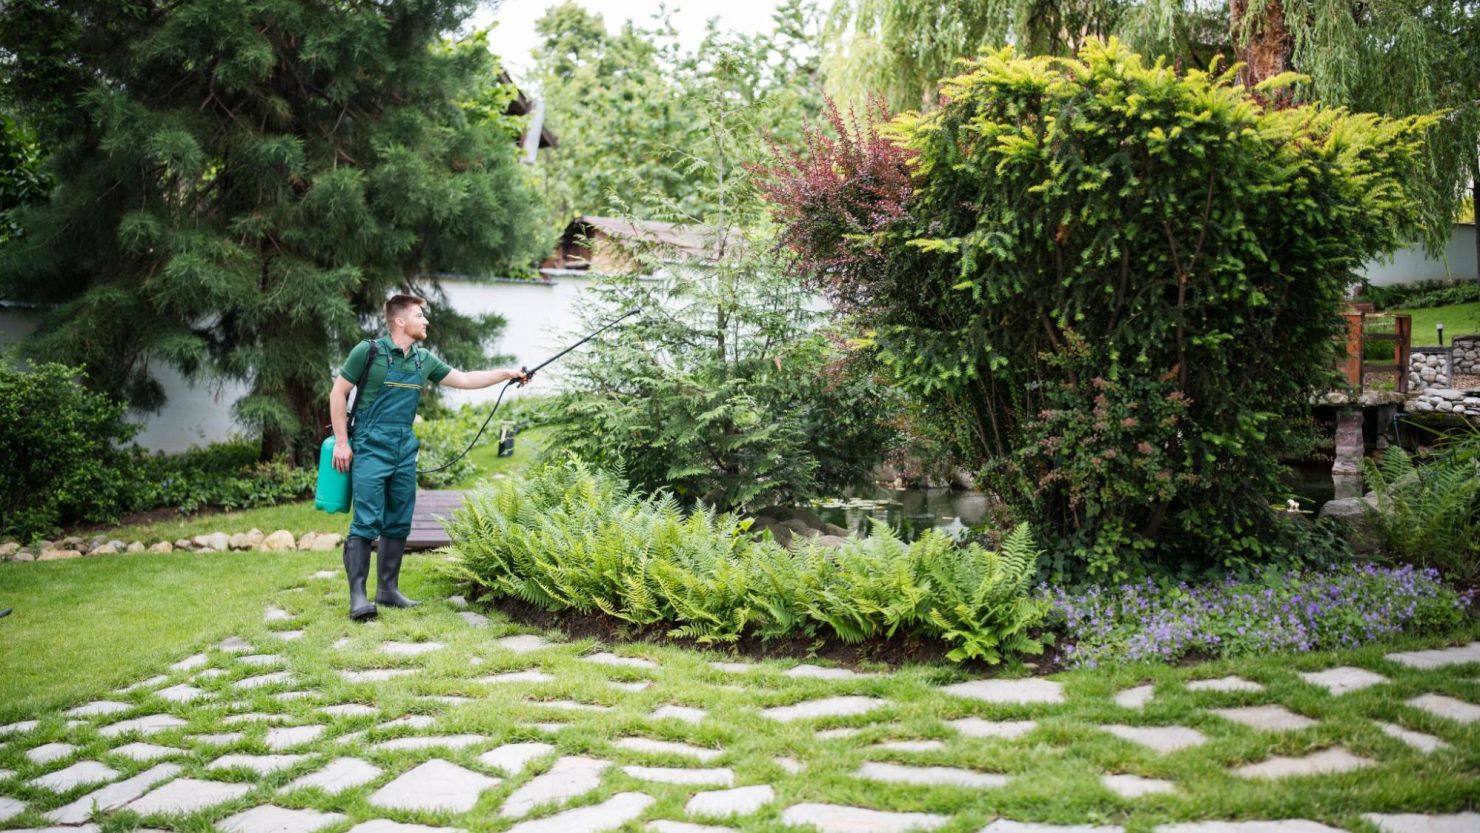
[[332, 492]]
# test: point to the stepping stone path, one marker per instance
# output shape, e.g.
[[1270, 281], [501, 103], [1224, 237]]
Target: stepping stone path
[[1267, 718], [151, 724], [838, 734], [188, 795], [98, 707], [431, 742], [668, 747], [112, 796], [260, 764], [512, 758], [409, 649], [76, 775], [341, 774], [530, 676], [1134, 786], [180, 694], [608, 658], [265, 680], [975, 727], [270, 819], [833, 818], [1135, 698], [1009, 691], [260, 659], [1416, 823], [687, 714], [476, 620], [608, 815], [930, 775], [523, 643], [1283, 826], [817, 672], [146, 751], [664, 826], [568, 778], [1005, 826], [909, 746], [677, 775], [374, 675], [1325, 762], [1437, 658], [435, 785], [1160, 738], [826, 707], [10, 808], [741, 801], [1343, 679], [1417, 740], [289, 737], [234, 645], [50, 753], [1447, 707], [386, 826], [349, 710], [1224, 684]]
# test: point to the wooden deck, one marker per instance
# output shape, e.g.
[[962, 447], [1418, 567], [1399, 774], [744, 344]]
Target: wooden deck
[[426, 525]]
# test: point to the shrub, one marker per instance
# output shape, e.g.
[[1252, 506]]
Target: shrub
[[225, 475], [59, 456], [1429, 513], [1422, 295], [570, 537], [1305, 611], [1116, 285], [443, 439]]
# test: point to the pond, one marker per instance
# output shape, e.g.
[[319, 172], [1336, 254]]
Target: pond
[[908, 511]]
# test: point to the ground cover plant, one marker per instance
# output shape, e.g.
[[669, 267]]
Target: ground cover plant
[[1115, 284], [1282, 612], [472, 682], [570, 537], [1428, 511]]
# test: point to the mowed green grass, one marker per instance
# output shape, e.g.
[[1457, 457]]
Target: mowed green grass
[[84, 627], [1458, 320]]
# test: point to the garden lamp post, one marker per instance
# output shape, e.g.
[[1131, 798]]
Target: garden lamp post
[[1440, 327]]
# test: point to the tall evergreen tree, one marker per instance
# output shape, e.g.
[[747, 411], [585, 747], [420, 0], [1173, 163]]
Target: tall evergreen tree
[[241, 182]]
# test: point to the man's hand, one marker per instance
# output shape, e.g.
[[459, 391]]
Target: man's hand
[[342, 455]]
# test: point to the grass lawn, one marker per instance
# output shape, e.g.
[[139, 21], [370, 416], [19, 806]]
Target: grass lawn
[[1458, 320], [84, 627]]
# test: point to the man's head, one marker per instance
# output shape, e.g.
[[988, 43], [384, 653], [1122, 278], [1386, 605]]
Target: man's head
[[405, 313]]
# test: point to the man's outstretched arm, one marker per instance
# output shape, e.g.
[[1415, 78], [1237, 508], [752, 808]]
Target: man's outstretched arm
[[474, 379]]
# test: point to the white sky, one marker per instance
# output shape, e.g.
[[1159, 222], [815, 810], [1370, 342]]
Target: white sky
[[514, 36]]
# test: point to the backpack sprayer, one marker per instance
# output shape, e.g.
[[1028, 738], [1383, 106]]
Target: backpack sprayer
[[332, 492]]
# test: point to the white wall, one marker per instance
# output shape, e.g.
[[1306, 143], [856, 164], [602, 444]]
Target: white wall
[[1412, 265]]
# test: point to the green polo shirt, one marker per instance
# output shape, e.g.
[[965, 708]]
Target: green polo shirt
[[434, 368]]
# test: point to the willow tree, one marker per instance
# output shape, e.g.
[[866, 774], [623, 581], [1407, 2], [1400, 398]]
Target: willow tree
[[1395, 59], [239, 183]]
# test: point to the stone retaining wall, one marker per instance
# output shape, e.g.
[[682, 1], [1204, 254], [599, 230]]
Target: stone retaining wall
[[1445, 400], [1466, 351], [1430, 367]]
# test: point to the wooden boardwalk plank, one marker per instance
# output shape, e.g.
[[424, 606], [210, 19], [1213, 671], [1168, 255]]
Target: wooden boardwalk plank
[[426, 530]]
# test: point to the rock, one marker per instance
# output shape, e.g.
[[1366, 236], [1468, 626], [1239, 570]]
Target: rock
[[215, 541], [279, 541], [800, 527], [829, 541], [162, 546], [117, 544], [324, 543], [780, 534], [182, 544], [104, 549], [808, 517], [834, 529], [305, 541], [1422, 405], [237, 541], [963, 479], [71, 542], [136, 546], [1446, 393], [9, 548], [23, 556], [59, 555], [1361, 523]]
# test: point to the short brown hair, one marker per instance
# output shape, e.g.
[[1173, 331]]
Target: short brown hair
[[399, 304]]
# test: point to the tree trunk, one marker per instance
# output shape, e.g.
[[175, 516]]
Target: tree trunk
[[1266, 51], [1475, 215]]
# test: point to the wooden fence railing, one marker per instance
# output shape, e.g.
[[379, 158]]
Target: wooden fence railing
[[1365, 327]]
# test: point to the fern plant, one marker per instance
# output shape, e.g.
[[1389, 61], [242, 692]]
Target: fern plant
[[1429, 513]]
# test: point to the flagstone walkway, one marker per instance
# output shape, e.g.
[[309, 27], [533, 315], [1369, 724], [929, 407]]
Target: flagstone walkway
[[309, 725]]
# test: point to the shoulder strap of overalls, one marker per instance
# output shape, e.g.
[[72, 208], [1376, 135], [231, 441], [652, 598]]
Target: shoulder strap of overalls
[[360, 385]]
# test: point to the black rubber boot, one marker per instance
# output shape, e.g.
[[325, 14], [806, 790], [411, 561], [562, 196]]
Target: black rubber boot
[[357, 565], [388, 570]]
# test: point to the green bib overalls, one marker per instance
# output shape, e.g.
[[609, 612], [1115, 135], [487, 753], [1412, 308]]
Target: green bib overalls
[[383, 472]]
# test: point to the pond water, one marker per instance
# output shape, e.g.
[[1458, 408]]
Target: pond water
[[909, 511]]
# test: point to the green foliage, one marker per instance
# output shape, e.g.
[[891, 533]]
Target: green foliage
[[1087, 242], [225, 475], [1422, 295], [59, 461], [1429, 511], [569, 537], [22, 181], [444, 438], [240, 183]]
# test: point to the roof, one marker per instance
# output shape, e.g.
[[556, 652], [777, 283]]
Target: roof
[[695, 241], [523, 105]]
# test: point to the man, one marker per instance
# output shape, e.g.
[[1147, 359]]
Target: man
[[383, 449]]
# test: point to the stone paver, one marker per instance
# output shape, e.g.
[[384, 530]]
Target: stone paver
[[260, 660], [569, 705], [523, 643], [152, 682], [458, 601], [271, 819], [909, 746], [1135, 698], [723, 777], [838, 734], [1417, 740], [218, 738], [1437, 658], [265, 680], [1416, 823], [1135, 786], [190, 663], [1005, 826], [608, 815], [431, 742], [254, 717], [234, 645], [1267, 718], [512, 758], [291, 736], [807, 671], [112, 796], [609, 658], [549, 726], [975, 727], [180, 693], [1343, 678], [276, 614], [98, 707], [1009, 691], [82, 772], [740, 801], [1324, 762], [1447, 707], [388, 826], [145, 751], [325, 574], [476, 620], [1282, 826], [532, 675], [290, 696], [260, 764], [19, 727], [49, 753], [411, 721], [188, 795], [791, 766], [341, 774], [409, 649], [834, 818], [149, 724], [570, 776], [733, 667], [349, 710], [86, 828], [643, 685], [668, 747], [286, 636], [666, 826], [374, 675], [10, 808], [434, 785], [687, 714], [825, 707], [930, 775], [1224, 684], [1160, 738]]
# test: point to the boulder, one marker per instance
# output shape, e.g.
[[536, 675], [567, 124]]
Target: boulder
[[71, 541], [162, 546], [829, 541], [1360, 520], [800, 527], [279, 541], [135, 546], [9, 548], [779, 533], [1446, 393], [834, 529], [59, 555], [104, 549], [216, 541], [808, 517], [305, 541], [182, 544], [327, 542], [23, 556]]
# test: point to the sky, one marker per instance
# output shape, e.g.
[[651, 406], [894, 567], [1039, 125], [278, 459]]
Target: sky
[[514, 36]]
